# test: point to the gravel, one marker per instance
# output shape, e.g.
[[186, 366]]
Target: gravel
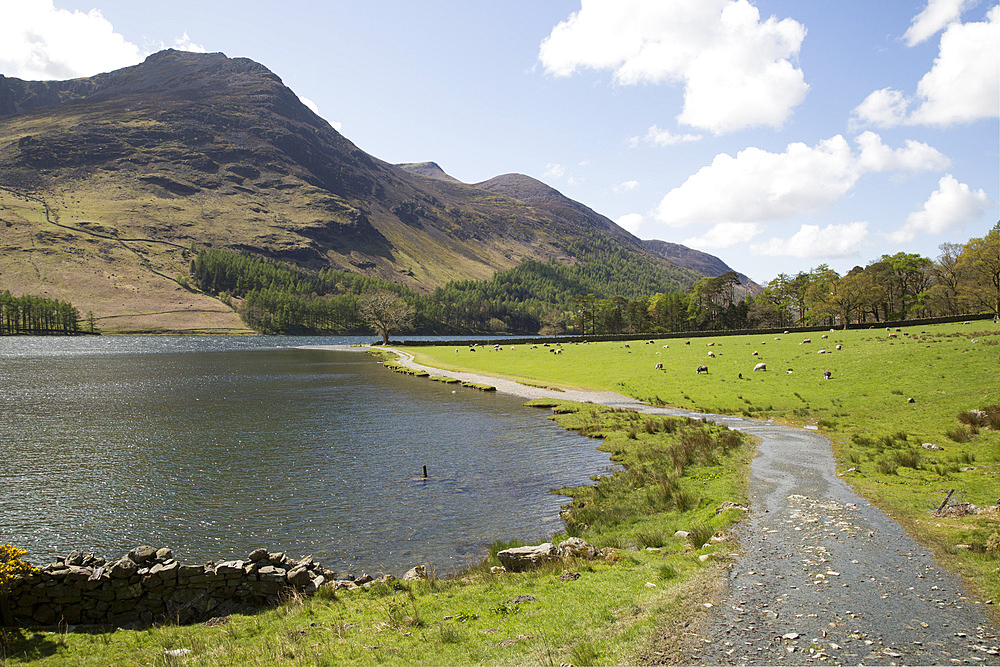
[[826, 578]]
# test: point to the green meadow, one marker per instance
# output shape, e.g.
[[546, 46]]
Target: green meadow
[[889, 392]]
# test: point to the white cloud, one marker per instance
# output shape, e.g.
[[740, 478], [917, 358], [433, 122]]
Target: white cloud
[[948, 208], [964, 83], [962, 86], [758, 186], [40, 42], [882, 108], [631, 222], [554, 170], [812, 241], [627, 186], [309, 103], [184, 43], [914, 156], [724, 235], [934, 18], [737, 70], [662, 138]]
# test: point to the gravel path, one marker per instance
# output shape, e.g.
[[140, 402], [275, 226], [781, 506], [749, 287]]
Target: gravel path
[[825, 577]]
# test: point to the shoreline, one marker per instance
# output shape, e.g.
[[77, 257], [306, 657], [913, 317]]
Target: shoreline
[[513, 388]]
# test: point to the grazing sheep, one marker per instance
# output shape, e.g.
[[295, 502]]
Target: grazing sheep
[[559, 351], [840, 347], [626, 345], [456, 350], [665, 346], [711, 344], [892, 335], [687, 343], [806, 340], [825, 336], [821, 352], [789, 371], [702, 369], [711, 354], [658, 367], [826, 375], [760, 367], [755, 353]]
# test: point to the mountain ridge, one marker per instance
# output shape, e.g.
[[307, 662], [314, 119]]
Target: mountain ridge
[[105, 180]]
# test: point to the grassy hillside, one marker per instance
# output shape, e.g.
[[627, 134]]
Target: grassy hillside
[[106, 181]]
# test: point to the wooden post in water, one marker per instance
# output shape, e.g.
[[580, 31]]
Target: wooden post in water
[[425, 472]]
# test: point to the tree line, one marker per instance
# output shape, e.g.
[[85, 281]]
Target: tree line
[[36, 315], [965, 279], [611, 293]]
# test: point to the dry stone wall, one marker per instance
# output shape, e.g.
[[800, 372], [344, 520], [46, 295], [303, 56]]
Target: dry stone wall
[[148, 585]]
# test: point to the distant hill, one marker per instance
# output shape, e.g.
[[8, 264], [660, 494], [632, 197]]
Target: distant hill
[[107, 183], [428, 169], [698, 261]]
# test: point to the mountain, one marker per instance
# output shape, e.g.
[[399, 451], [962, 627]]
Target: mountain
[[428, 169], [108, 184], [698, 261]]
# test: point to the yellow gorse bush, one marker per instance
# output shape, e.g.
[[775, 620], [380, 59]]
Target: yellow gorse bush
[[12, 567]]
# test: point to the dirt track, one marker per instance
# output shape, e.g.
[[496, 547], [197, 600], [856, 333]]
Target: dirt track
[[826, 578]]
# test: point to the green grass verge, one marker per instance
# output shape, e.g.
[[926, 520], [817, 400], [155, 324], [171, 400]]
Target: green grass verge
[[865, 408], [630, 606]]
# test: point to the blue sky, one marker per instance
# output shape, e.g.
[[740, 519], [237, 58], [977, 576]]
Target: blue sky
[[776, 134]]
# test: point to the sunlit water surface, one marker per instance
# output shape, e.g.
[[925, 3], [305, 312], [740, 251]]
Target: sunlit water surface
[[215, 446]]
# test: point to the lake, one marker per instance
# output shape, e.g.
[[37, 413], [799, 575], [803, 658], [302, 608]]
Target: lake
[[214, 446]]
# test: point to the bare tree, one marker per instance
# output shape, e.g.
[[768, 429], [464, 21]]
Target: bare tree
[[385, 312]]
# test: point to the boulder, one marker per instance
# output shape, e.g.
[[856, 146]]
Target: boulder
[[142, 555], [520, 559], [574, 547], [931, 446], [123, 569], [415, 573], [298, 576], [257, 555]]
